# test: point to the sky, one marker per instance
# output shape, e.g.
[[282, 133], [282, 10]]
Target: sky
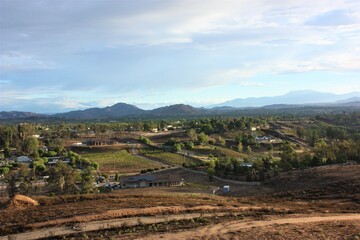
[[57, 56]]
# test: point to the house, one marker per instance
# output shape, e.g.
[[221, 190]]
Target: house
[[147, 180], [261, 139], [23, 159], [154, 130], [253, 129], [54, 160]]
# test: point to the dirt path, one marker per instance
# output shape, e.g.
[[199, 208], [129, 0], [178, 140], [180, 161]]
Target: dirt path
[[210, 232], [104, 224]]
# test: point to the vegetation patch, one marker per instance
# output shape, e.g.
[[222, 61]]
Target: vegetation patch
[[120, 161]]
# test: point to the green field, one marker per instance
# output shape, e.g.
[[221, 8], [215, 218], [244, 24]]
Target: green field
[[121, 161], [218, 151], [170, 158]]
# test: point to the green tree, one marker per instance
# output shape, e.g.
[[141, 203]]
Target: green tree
[[240, 147], [87, 180], [30, 146], [63, 178], [221, 141], [211, 173], [192, 134], [203, 138]]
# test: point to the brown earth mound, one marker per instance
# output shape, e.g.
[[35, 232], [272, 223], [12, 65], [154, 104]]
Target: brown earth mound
[[21, 201]]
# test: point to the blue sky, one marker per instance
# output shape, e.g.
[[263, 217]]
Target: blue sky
[[57, 56]]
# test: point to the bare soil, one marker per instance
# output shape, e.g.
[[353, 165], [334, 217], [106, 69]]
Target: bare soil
[[327, 192]]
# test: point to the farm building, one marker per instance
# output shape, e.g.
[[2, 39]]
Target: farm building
[[143, 181]]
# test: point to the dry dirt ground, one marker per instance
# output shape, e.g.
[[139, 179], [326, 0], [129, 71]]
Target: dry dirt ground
[[311, 204], [297, 227]]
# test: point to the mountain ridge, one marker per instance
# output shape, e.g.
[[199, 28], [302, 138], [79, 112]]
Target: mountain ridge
[[294, 97], [121, 109]]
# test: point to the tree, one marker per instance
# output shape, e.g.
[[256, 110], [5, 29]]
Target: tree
[[192, 134], [221, 141], [248, 149], [19, 181], [240, 147], [288, 156], [95, 165], [211, 173], [30, 146], [11, 179], [63, 178], [144, 140], [87, 180], [117, 177], [203, 138], [7, 152], [177, 147], [189, 145], [300, 131]]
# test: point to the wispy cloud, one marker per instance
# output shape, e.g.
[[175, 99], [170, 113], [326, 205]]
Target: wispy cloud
[[96, 49], [17, 61]]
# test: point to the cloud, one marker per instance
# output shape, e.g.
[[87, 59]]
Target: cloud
[[17, 61], [80, 49], [332, 18]]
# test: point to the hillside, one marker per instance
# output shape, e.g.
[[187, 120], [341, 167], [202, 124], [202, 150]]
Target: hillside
[[295, 97], [177, 109], [299, 103], [19, 115], [117, 110]]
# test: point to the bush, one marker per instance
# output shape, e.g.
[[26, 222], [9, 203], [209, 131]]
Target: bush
[[144, 140]]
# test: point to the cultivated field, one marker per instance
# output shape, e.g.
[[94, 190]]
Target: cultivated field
[[169, 158], [119, 160]]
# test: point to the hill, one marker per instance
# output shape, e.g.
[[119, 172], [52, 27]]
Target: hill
[[20, 115], [299, 103], [295, 97], [177, 109], [117, 110]]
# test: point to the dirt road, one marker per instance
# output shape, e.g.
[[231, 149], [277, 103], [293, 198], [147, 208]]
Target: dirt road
[[217, 230], [208, 231], [104, 224]]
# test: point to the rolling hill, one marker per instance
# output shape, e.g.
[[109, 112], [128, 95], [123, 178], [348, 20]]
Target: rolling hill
[[295, 97]]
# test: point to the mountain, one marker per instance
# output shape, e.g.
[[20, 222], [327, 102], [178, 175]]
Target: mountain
[[349, 100], [124, 110], [19, 115], [177, 109], [117, 110], [295, 102], [295, 97]]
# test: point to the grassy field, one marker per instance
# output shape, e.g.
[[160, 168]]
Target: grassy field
[[120, 161], [169, 158], [218, 151]]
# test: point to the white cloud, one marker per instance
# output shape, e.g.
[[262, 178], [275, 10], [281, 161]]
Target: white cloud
[[17, 61]]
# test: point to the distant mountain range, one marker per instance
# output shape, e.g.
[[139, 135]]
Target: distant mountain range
[[295, 97], [116, 111], [295, 101]]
